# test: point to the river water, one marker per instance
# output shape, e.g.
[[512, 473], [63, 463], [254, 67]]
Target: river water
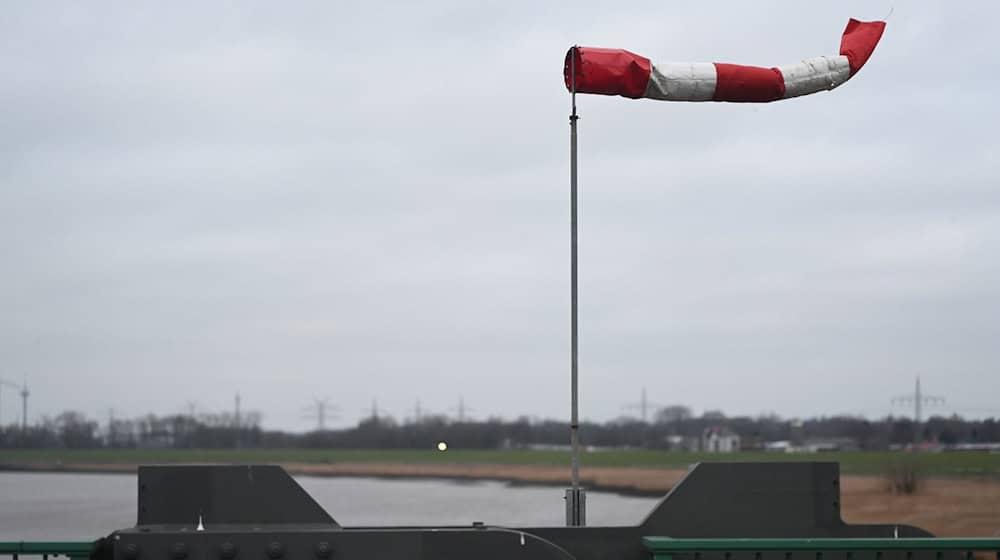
[[56, 506]]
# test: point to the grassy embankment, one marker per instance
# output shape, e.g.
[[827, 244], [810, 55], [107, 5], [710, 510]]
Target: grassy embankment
[[863, 463]]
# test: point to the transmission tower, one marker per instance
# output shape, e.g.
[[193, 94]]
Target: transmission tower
[[418, 413], [918, 399], [238, 423], [644, 406], [461, 409], [24, 408], [111, 427], [321, 409]]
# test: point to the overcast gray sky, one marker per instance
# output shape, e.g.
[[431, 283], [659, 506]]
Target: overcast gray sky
[[298, 200]]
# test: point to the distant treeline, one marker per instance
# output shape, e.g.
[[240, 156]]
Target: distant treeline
[[673, 427]]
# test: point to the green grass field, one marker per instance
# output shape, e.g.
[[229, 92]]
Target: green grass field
[[940, 464]]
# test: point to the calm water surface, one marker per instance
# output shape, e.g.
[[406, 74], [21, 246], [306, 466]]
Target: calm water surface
[[44, 506]]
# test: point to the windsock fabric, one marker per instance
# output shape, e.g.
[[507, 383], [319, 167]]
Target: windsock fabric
[[620, 72]]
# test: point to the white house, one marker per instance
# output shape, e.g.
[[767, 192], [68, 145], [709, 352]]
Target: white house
[[719, 439]]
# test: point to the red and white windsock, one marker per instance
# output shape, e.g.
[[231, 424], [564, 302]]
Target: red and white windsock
[[620, 72]]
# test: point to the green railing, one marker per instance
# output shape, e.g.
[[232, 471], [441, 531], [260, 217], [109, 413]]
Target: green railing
[[74, 550], [664, 548]]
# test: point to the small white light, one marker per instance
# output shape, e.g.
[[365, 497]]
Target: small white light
[[442, 446]]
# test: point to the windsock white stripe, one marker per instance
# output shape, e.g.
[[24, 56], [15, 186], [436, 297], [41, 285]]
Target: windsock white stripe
[[693, 81], [815, 74]]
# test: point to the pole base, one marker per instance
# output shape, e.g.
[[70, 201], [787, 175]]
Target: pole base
[[576, 507]]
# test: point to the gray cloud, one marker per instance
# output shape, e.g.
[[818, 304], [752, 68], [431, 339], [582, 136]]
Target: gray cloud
[[372, 201]]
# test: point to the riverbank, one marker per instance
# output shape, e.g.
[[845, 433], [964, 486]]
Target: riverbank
[[947, 506], [646, 482], [861, 463]]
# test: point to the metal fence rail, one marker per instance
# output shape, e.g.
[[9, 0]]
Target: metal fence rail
[[665, 548], [75, 550]]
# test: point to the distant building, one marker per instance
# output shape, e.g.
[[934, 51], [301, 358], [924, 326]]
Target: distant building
[[830, 444], [813, 445], [682, 443], [780, 446], [719, 439], [992, 447]]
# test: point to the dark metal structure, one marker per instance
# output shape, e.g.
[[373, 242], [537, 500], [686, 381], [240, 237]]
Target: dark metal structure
[[719, 511], [260, 513]]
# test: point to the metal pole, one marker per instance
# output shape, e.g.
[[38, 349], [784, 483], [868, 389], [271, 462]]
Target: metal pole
[[575, 512]]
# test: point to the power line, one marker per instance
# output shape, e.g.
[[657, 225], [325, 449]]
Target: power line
[[976, 409]]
